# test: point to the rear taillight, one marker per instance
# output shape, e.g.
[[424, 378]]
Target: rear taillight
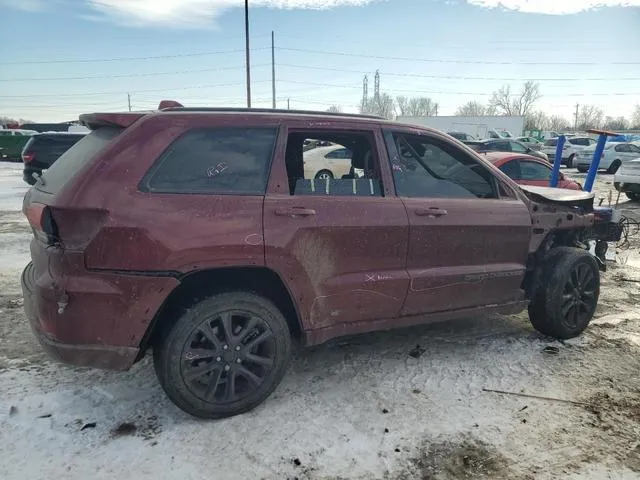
[[41, 221], [28, 157]]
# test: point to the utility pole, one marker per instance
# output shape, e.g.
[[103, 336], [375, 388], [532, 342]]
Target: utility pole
[[273, 68], [575, 125], [288, 104], [248, 59], [436, 110], [129, 100]]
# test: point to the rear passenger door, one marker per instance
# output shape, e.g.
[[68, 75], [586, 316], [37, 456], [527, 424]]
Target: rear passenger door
[[340, 243], [469, 234]]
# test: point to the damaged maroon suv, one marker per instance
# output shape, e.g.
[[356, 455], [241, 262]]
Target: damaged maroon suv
[[202, 235]]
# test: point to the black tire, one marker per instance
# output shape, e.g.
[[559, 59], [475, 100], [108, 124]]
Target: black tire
[[570, 160], [613, 168], [324, 174], [567, 296], [634, 197], [197, 364], [582, 169]]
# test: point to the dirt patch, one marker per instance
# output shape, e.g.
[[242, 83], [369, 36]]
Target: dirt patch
[[147, 428], [470, 459], [617, 415]]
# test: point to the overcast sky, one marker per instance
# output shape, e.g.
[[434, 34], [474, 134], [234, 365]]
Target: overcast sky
[[60, 58]]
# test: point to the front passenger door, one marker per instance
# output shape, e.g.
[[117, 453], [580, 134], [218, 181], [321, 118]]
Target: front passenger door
[[468, 245]]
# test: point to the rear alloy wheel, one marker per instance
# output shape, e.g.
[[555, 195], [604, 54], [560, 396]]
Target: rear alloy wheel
[[224, 356], [634, 197], [324, 175], [613, 168], [570, 160], [568, 295]]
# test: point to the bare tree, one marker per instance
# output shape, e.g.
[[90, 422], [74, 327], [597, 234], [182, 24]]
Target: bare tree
[[416, 106], [618, 123], [558, 123], [518, 103], [474, 109], [635, 117], [536, 121], [383, 106], [334, 109], [589, 116]]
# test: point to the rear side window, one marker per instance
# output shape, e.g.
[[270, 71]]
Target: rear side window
[[214, 161], [579, 141], [551, 142], [66, 167]]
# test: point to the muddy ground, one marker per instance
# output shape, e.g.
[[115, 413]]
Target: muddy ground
[[471, 399]]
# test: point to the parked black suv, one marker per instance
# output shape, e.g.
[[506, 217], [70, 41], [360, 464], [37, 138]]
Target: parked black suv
[[43, 149]]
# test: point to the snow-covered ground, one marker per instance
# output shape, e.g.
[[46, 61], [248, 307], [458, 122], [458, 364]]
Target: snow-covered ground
[[369, 407]]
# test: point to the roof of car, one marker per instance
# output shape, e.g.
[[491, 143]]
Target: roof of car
[[59, 134], [125, 119], [495, 157]]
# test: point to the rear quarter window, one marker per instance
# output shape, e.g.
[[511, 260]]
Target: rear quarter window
[[214, 161], [68, 165]]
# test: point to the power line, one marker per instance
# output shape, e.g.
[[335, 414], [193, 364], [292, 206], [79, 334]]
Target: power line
[[124, 92], [439, 60], [128, 75], [127, 59], [435, 92], [459, 77]]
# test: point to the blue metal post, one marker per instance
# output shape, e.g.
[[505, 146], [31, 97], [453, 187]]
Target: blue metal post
[[595, 163], [555, 174]]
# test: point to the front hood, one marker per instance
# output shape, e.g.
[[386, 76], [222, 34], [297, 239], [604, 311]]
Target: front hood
[[561, 196]]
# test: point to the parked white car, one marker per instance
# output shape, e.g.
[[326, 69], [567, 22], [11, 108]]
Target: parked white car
[[327, 162], [570, 150], [614, 155], [627, 179], [530, 142]]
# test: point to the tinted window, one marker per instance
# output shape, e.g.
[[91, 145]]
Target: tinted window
[[5, 133], [552, 142], [579, 141], [341, 153], [517, 147], [634, 149], [534, 171], [73, 159], [511, 169], [214, 160], [622, 148], [499, 146], [426, 167]]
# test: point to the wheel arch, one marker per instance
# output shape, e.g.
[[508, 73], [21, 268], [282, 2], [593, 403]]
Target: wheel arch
[[199, 284]]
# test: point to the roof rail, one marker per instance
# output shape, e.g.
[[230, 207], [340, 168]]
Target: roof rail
[[268, 110]]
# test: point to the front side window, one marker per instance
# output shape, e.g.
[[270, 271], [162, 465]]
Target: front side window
[[634, 149], [534, 171], [427, 167], [214, 161], [518, 147]]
